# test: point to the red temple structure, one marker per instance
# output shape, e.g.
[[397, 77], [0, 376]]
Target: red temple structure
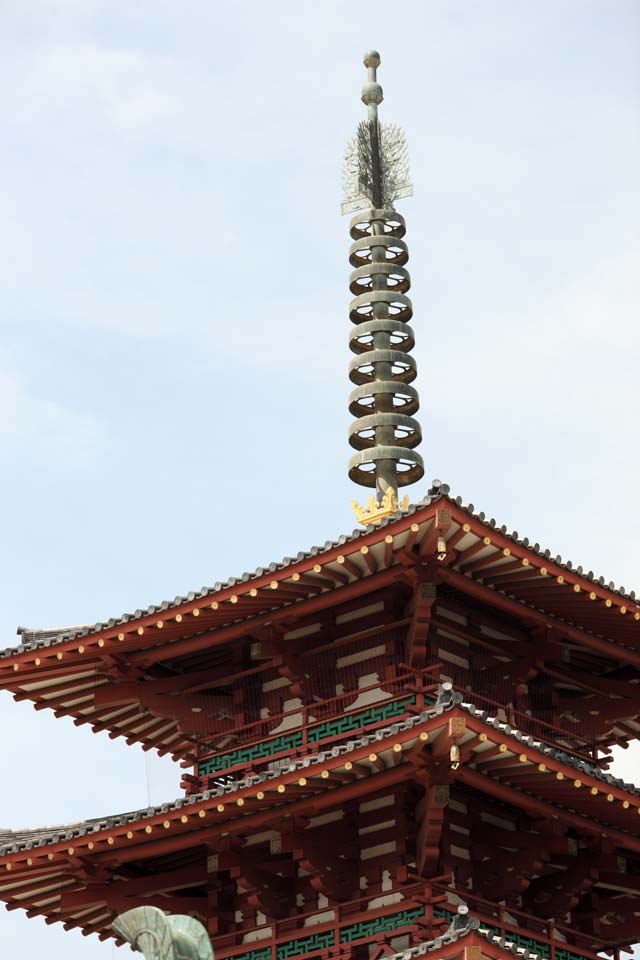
[[413, 717], [396, 743]]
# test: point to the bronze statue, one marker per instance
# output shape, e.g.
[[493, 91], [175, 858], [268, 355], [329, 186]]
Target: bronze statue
[[162, 937]]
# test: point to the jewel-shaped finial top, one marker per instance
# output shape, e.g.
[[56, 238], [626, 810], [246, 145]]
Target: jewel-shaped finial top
[[376, 164]]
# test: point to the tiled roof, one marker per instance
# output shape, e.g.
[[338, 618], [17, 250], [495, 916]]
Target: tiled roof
[[12, 842], [36, 639], [562, 756], [33, 639], [461, 927], [15, 841]]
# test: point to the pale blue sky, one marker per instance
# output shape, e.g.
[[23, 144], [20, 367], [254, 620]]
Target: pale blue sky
[[173, 292]]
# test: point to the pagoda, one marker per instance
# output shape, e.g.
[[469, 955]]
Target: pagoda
[[393, 744]]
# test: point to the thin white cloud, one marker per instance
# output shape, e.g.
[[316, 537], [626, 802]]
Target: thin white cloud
[[170, 204]]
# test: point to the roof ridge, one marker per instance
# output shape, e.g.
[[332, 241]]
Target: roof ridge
[[39, 837], [43, 637]]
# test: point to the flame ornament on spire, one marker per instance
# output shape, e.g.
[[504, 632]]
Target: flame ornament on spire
[[385, 433]]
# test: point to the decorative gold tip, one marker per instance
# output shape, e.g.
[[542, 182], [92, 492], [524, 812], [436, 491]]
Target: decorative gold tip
[[376, 512]]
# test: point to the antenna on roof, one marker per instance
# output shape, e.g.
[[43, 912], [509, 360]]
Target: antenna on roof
[[385, 433]]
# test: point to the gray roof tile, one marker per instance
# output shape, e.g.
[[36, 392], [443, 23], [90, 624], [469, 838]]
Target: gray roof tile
[[461, 926], [14, 841], [35, 639]]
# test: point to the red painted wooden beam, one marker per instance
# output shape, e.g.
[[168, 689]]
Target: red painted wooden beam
[[302, 608], [524, 612], [540, 807]]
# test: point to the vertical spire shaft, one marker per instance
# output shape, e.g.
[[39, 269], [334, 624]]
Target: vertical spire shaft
[[385, 432], [372, 96]]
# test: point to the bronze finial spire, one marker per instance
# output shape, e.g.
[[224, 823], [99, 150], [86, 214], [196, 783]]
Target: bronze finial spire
[[376, 173]]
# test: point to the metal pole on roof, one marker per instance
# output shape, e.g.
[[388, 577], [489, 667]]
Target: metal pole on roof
[[384, 433]]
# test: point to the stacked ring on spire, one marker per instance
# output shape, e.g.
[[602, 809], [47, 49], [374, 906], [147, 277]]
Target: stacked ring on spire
[[383, 400]]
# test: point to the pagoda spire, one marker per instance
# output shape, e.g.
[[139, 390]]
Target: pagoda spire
[[385, 432]]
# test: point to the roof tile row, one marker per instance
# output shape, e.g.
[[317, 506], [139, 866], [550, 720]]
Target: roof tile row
[[36, 639], [14, 841]]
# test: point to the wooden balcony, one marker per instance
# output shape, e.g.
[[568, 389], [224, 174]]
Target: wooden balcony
[[421, 911]]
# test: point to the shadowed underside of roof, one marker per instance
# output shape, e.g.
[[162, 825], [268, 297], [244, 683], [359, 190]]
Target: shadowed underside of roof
[[105, 675], [42, 638], [13, 841], [39, 868]]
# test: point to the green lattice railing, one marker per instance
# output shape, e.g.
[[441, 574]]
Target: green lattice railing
[[255, 751], [306, 945], [317, 942], [376, 714], [263, 954], [370, 928], [314, 943], [331, 729], [566, 954]]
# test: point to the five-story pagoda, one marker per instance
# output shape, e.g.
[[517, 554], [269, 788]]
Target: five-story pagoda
[[397, 741]]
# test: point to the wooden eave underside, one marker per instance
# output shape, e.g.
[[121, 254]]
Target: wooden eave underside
[[492, 763], [480, 562]]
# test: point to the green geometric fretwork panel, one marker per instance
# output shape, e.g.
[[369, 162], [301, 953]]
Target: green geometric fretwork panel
[[378, 713], [256, 751], [305, 945], [264, 954], [369, 928], [316, 942], [527, 943], [329, 729]]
